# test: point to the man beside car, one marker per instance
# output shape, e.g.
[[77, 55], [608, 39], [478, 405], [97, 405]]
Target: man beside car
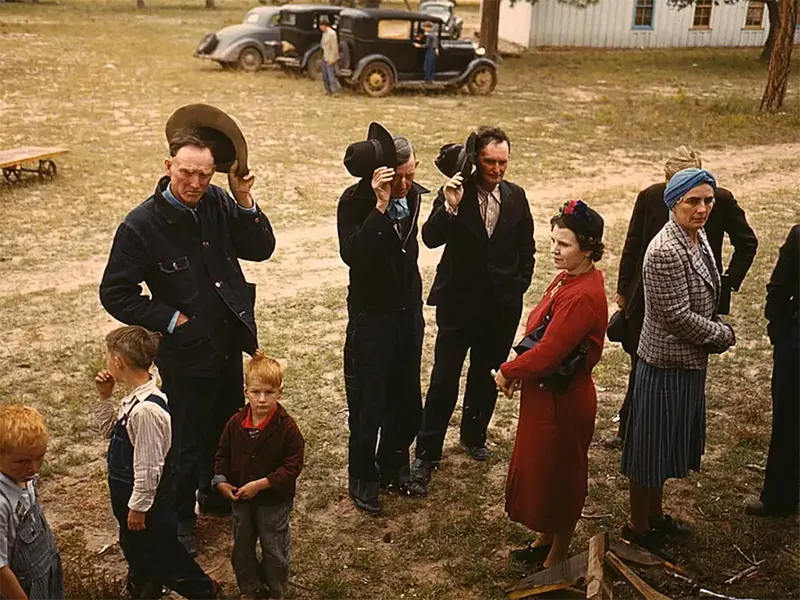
[[486, 228], [330, 56]]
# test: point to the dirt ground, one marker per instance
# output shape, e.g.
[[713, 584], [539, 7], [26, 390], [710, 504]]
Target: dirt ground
[[102, 79]]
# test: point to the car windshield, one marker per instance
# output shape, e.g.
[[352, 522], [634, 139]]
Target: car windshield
[[439, 11]]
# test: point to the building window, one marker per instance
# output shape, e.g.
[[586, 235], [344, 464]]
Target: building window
[[643, 14], [702, 14], [755, 15]]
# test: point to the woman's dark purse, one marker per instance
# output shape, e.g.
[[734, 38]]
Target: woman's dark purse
[[559, 381]]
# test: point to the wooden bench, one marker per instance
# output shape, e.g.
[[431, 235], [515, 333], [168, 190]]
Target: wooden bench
[[11, 161]]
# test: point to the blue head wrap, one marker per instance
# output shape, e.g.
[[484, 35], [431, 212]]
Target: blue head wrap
[[685, 180]]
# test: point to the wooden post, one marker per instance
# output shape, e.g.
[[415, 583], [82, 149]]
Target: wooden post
[[780, 60], [490, 24], [597, 586], [639, 584]]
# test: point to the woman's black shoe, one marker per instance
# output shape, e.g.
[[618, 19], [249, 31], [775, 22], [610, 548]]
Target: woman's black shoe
[[532, 555], [652, 541], [671, 527]]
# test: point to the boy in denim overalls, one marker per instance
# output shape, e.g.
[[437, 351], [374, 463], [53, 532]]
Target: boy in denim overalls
[[30, 564], [140, 470]]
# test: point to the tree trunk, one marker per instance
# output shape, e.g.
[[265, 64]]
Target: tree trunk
[[780, 61], [139, 3], [209, 3], [773, 11], [490, 23]]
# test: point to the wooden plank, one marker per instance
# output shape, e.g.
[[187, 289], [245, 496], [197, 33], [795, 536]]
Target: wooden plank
[[560, 576], [16, 156], [632, 553], [639, 584], [597, 588]]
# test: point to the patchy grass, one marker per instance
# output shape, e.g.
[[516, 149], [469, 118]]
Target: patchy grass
[[102, 78]]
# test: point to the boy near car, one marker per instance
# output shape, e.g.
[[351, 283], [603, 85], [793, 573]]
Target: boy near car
[[330, 55], [30, 563], [259, 458], [140, 473]]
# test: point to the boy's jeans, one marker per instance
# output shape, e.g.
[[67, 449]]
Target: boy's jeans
[[430, 65], [329, 81], [268, 525]]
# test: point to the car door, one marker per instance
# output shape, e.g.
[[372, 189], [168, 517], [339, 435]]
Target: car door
[[394, 42]]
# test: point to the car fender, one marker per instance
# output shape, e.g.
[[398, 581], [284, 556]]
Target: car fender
[[308, 54], [231, 53], [373, 58], [477, 62]]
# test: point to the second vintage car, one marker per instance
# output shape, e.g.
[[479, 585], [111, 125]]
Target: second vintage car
[[246, 46], [453, 24], [382, 49], [298, 48]]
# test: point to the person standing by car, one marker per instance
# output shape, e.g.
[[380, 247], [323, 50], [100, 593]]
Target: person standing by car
[[430, 41], [486, 228], [330, 56], [650, 214], [185, 242], [377, 226]]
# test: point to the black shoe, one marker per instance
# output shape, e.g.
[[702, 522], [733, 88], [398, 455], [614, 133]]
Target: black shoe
[[365, 496], [652, 541], [422, 471], [187, 537], [757, 508], [479, 453], [402, 482], [533, 556], [670, 527]]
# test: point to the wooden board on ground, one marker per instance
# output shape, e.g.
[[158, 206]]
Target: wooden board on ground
[[598, 586], [561, 576], [639, 584], [637, 555]]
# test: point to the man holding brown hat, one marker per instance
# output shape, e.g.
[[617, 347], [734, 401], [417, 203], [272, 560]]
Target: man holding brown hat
[[377, 226], [185, 242]]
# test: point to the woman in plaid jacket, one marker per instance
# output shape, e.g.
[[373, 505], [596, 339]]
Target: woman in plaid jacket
[[665, 435]]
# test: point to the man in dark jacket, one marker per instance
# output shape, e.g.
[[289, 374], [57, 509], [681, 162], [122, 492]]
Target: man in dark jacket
[[650, 214], [377, 225], [486, 228], [184, 242], [781, 492]]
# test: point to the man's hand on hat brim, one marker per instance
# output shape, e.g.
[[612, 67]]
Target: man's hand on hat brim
[[240, 186]]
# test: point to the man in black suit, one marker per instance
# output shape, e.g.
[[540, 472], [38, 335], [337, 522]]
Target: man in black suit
[[650, 214], [486, 227]]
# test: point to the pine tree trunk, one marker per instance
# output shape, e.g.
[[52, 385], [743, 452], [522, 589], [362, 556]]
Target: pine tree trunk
[[490, 23], [780, 61], [774, 25], [139, 3]]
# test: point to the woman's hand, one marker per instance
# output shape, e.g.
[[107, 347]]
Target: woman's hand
[[507, 386]]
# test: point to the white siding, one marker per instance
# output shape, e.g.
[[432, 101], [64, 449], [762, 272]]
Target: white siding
[[609, 24]]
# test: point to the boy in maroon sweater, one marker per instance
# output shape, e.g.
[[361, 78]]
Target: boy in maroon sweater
[[259, 458]]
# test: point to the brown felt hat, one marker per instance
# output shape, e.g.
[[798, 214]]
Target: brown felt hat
[[221, 130]]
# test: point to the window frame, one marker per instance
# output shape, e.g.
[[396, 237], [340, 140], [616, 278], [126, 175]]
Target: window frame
[[750, 5], [706, 4], [636, 7]]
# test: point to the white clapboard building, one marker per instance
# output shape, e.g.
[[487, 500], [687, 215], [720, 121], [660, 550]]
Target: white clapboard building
[[634, 24]]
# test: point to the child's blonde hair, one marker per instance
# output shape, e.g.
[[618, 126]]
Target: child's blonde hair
[[21, 427], [263, 369], [136, 345]]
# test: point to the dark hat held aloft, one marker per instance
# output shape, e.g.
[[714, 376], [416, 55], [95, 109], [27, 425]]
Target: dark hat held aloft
[[457, 158], [378, 150]]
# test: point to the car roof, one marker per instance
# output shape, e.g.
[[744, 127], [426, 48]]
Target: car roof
[[443, 3], [387, 13], [264, 10], [310, 8]]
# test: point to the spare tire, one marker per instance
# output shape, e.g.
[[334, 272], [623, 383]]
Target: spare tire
[[207, 44]]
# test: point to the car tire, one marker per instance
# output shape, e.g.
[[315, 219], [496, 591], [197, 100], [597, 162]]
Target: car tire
[[377, 79], [314, 66], [250, 60], [482, 80]]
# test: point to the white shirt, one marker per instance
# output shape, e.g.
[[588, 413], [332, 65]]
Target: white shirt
[[150, 430], [14, 503]]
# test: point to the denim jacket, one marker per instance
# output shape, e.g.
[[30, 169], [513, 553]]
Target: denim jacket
[[190, 263]]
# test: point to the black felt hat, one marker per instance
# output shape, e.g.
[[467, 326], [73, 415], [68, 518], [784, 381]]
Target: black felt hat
[[582, 220], [362, 158], [218, 128], [457, 158]]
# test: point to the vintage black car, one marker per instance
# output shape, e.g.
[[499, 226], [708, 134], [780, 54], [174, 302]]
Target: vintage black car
[[382, 49], [453, 24], [246, 46], [300, 36]]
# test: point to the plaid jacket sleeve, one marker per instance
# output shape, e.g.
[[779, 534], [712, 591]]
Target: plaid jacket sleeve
[[667, 285]]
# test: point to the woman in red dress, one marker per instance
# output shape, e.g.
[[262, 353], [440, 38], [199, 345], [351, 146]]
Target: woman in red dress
[[547, 477]]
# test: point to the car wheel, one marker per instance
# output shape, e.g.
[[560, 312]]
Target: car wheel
[[377, 79], [250, 60], [314, 66], [482, 80]]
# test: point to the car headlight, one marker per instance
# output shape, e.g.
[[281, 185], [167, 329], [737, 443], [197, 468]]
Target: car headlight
[[480, 51]]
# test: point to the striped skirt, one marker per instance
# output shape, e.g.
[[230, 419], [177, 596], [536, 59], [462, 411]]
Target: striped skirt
[[666, 433]]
